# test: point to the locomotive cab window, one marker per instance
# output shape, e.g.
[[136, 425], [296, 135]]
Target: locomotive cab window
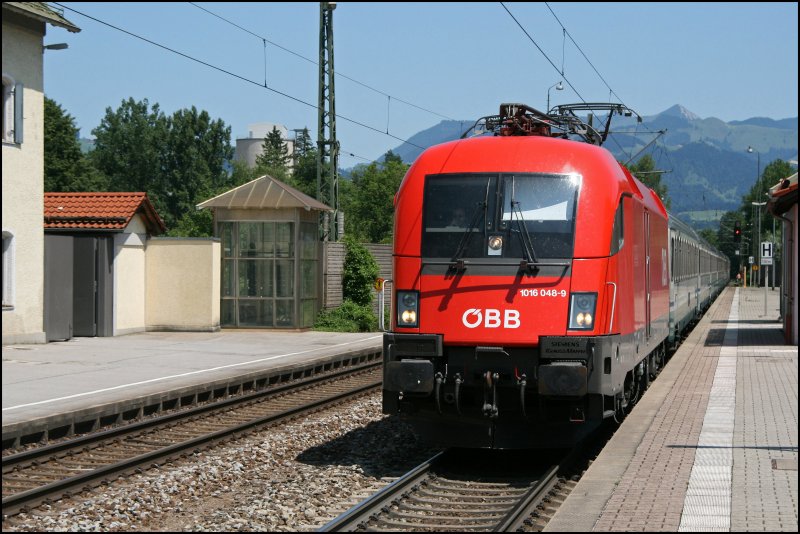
[[499, 216], [618, 232]]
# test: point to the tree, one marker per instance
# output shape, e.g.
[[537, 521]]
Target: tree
[[302, 144], [358, 273], [65, 167], [179, 160], [726, 243], [711, 236], [193, 161], [773, 173], [645, 171], [129, 146], [275, 154], [369, 204], [304, 173]]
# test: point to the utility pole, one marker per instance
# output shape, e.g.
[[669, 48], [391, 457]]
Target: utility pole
[[327, 145]]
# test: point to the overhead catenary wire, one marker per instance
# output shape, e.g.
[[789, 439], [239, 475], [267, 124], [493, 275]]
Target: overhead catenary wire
[[521, 27], [561, 71], [362, 84], [243, 78], [566, 32], [610, 90], [551, 62]]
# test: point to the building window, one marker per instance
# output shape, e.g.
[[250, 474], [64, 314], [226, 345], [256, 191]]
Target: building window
[[8, 270], [12, 110]]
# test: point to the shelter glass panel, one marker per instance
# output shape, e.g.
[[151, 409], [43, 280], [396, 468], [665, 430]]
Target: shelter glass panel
[[258, 289]]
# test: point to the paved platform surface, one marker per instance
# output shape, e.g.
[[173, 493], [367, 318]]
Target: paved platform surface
[[41, 382], [712, 445]]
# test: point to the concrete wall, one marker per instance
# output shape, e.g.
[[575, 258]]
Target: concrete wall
[[183, 284], [23, 185]]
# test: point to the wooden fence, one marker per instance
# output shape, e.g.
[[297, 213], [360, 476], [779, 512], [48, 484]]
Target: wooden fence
[[333, 263]]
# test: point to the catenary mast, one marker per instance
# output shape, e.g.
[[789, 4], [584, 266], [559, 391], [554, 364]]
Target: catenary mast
[[327, 145]]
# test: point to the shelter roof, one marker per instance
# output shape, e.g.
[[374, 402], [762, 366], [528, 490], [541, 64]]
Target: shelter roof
[[264, 193], [99, 211]]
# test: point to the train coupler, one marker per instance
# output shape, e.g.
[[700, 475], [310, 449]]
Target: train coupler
[[490, 410]]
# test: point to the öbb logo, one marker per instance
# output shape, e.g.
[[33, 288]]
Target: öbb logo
[[490, 318]]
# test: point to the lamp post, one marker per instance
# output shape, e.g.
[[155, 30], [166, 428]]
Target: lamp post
[[559, 87], [757, 239], [758, 244]]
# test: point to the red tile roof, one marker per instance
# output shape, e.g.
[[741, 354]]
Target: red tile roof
[[99, 211]]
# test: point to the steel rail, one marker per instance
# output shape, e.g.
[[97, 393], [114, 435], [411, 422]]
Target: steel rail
[[62, 488], [365, 509]]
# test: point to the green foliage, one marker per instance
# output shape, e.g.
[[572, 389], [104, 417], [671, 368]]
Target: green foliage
[[65, 166], [369, 202], [709, 235], [644, 170], [179, 160], [304, 174], [349, 317], [773, 173], [360, 271], [725, 242], [275, 153], [194, 223], [128, 147]]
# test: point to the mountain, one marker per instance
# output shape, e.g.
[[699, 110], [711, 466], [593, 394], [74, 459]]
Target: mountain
[[708, 168]]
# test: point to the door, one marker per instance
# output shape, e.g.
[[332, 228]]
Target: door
[[58, 320], [84, 305]]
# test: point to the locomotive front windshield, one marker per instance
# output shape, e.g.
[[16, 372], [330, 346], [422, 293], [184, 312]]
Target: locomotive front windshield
[[511, 216]]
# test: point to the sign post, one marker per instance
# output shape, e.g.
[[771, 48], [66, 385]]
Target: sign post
[[766, 259]]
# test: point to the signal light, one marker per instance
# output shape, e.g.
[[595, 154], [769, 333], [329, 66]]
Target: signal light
[[737, 233]]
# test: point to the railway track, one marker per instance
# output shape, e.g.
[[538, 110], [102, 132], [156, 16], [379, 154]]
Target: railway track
[[452, 493], [56, 471]]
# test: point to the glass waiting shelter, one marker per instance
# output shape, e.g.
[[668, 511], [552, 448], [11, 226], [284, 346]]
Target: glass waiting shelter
[[271, 255]]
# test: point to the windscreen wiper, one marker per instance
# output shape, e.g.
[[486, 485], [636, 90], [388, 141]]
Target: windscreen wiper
[[457, 261], [524, 235]]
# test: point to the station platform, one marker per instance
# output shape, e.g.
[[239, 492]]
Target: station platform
[[74, 386], [712, 444]]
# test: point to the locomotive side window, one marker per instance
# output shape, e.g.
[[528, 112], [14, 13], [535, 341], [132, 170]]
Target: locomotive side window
[[618, 233], [462, 213]]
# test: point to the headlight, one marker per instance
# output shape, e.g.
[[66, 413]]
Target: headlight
[[495, 245], [581, 311], [407, 308]]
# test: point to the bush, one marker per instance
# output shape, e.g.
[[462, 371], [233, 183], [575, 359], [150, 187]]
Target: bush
[[349, 317], [360, 271]]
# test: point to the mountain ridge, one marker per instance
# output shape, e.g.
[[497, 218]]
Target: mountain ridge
[[708, 166]]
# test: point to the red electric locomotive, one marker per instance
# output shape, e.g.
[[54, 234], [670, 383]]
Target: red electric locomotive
[[531, 286]]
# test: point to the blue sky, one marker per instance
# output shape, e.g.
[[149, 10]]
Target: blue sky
[[458, 61]]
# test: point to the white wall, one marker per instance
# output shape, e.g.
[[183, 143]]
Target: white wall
[[130, 278], [23, 186]]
